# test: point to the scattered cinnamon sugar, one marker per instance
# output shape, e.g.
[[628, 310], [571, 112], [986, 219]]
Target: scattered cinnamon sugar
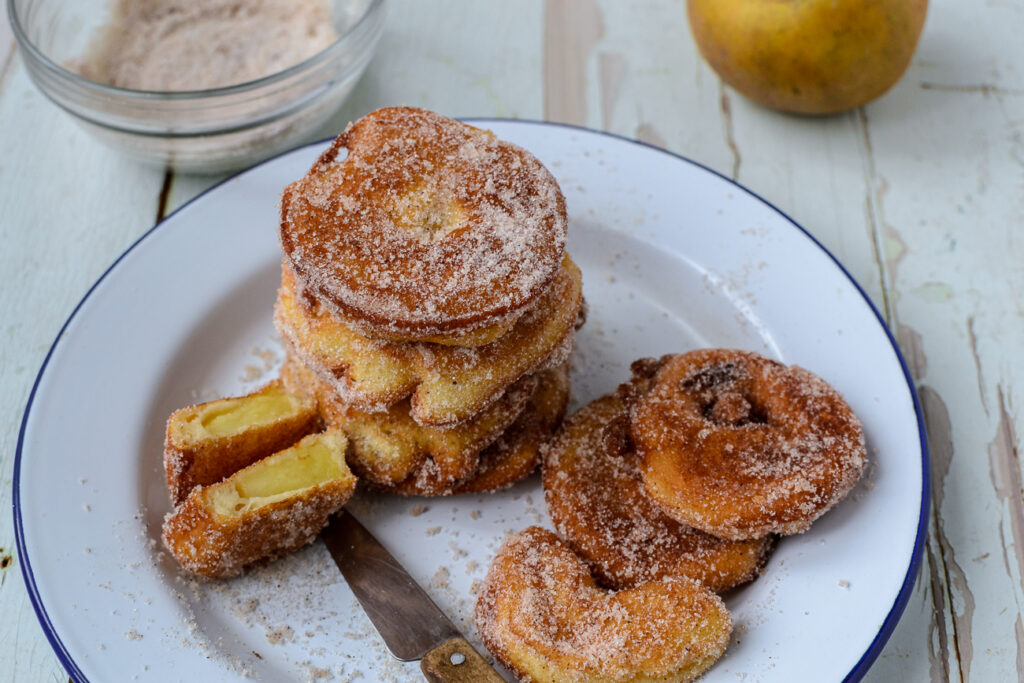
[[280, 634], [440, 578], [251, 373], [269, 360]]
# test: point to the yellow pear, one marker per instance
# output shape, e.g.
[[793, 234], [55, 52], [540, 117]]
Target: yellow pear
[[808, 56]]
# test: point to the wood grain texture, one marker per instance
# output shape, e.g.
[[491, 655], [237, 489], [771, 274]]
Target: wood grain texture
[[455, 661], [920, 195], [61, 231], [571, 30], [946, 161]]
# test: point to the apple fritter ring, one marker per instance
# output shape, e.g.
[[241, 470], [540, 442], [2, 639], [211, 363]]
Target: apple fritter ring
[[513, 456], [446, 384], [541, 615], [596, 500], [413, 225], [741, 446], [387, 448], [264, 511]]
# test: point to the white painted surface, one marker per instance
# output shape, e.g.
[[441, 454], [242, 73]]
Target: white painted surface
[[919, 194]]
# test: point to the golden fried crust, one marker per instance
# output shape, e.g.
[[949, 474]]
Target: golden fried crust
[[447, 384], [193, 456], [479, 337], [218, 544], [514, 455], [741, 446], [386, 448], [541, 614], [597, 502], [413, 225]]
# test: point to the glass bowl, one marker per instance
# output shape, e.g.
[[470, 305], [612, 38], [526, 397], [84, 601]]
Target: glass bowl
[[202, 130]]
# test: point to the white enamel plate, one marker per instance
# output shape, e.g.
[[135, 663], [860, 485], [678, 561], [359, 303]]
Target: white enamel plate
[[674, 257]]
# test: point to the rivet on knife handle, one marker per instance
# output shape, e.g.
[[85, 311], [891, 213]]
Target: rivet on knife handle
[[455, 661]]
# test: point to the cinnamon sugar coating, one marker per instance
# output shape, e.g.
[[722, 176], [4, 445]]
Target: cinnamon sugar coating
[[414, 225], [388, 448], [741, 446], [541, 614], [446, 384], [597, 502]]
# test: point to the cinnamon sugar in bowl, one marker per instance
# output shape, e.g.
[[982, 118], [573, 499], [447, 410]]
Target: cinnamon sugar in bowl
[[250, 98]]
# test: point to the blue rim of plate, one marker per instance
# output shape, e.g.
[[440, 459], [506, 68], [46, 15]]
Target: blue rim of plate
[[884, 631]]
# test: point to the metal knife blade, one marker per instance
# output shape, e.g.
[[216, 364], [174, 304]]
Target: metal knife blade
[[407, 619], [404, 615]]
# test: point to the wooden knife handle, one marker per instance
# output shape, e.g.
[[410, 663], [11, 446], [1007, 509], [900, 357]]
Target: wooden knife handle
[[455, 661]]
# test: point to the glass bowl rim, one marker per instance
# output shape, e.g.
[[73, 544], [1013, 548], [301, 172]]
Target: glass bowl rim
[[131, 94]]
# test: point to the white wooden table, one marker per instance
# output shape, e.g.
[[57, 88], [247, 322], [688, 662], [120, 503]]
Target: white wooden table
[[919, 194]]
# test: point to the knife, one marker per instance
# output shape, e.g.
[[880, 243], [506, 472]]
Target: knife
[[412, 626]]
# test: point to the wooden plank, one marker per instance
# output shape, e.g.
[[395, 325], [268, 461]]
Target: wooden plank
[[643, 78], [947, 190], [6, 35], [461, 59], [963, 142], [958, 281], [70, 206]]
